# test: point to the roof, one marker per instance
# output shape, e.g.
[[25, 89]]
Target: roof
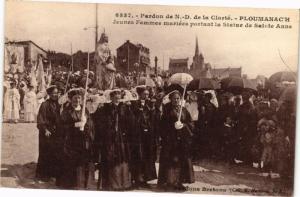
[[26, 42], [138, 45], [179, 61], [226, 71]]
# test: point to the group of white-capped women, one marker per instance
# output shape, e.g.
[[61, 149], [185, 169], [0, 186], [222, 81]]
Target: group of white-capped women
[[120, 139]]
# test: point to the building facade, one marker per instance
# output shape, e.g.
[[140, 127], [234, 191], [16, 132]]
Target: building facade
[[198, 59], [133, 58], [198, 68], [21, 54], [201, 69], [178, 65], [221, 73]]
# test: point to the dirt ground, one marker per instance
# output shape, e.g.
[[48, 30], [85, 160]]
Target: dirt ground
[[19, 154]]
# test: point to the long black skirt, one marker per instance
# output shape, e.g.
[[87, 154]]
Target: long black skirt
[[48, 160]]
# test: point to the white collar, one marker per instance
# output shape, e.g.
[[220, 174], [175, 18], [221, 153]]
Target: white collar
[[77, 108], [227, 125]]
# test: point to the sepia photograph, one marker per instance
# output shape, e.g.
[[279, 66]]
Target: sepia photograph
[[149, 98]]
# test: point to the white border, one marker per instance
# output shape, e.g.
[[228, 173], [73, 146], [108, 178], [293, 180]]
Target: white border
[[293, 4]]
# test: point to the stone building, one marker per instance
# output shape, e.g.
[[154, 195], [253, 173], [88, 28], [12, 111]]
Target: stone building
[[178, 65], [199, 68], [133, 58], [20, 54], [221, 73]]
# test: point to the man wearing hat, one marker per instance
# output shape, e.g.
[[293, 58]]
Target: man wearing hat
[[143, 139]]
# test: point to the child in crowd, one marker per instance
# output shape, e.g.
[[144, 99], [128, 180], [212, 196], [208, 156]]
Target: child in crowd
[[228, 140], [266, 139], [280, 149]]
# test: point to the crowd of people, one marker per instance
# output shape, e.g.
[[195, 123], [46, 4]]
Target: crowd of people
[[120, 138], [125, 138], [246, 129]]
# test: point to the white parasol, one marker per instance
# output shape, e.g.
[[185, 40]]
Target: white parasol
[[182, 79]]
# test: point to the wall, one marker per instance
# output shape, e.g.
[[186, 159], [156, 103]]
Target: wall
[[34, 52], [178, 68], [135, 55]]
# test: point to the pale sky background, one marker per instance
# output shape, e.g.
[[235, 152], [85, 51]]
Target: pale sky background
[[57, 25]]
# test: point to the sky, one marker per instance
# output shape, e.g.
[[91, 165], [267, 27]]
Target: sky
[[56, 26]]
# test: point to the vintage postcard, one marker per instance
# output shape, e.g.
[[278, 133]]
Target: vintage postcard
[[112, 97]]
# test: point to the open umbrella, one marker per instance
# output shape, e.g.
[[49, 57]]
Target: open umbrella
[[238, 83], [283, 76], [289, 94], [182, 79], [173, 87], [203, 84]]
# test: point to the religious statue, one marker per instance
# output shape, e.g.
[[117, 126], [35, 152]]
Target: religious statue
[[105, 70], [14, 59]]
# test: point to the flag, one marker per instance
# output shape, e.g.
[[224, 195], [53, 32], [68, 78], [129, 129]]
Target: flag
[[40, 76], [49, 75], [6, 60], [32, 76]]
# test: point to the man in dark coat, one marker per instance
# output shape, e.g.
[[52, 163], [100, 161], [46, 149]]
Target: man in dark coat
[[175, 164], [112, 123], [47, 123], [143, 140]]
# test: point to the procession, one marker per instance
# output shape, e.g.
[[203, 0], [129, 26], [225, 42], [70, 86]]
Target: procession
[[219, 118], [121, 125]]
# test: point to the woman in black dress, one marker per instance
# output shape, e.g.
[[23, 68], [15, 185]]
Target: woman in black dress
[[143, 140], [49, 135], [112, 124], [175, 165], [78, 163]]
